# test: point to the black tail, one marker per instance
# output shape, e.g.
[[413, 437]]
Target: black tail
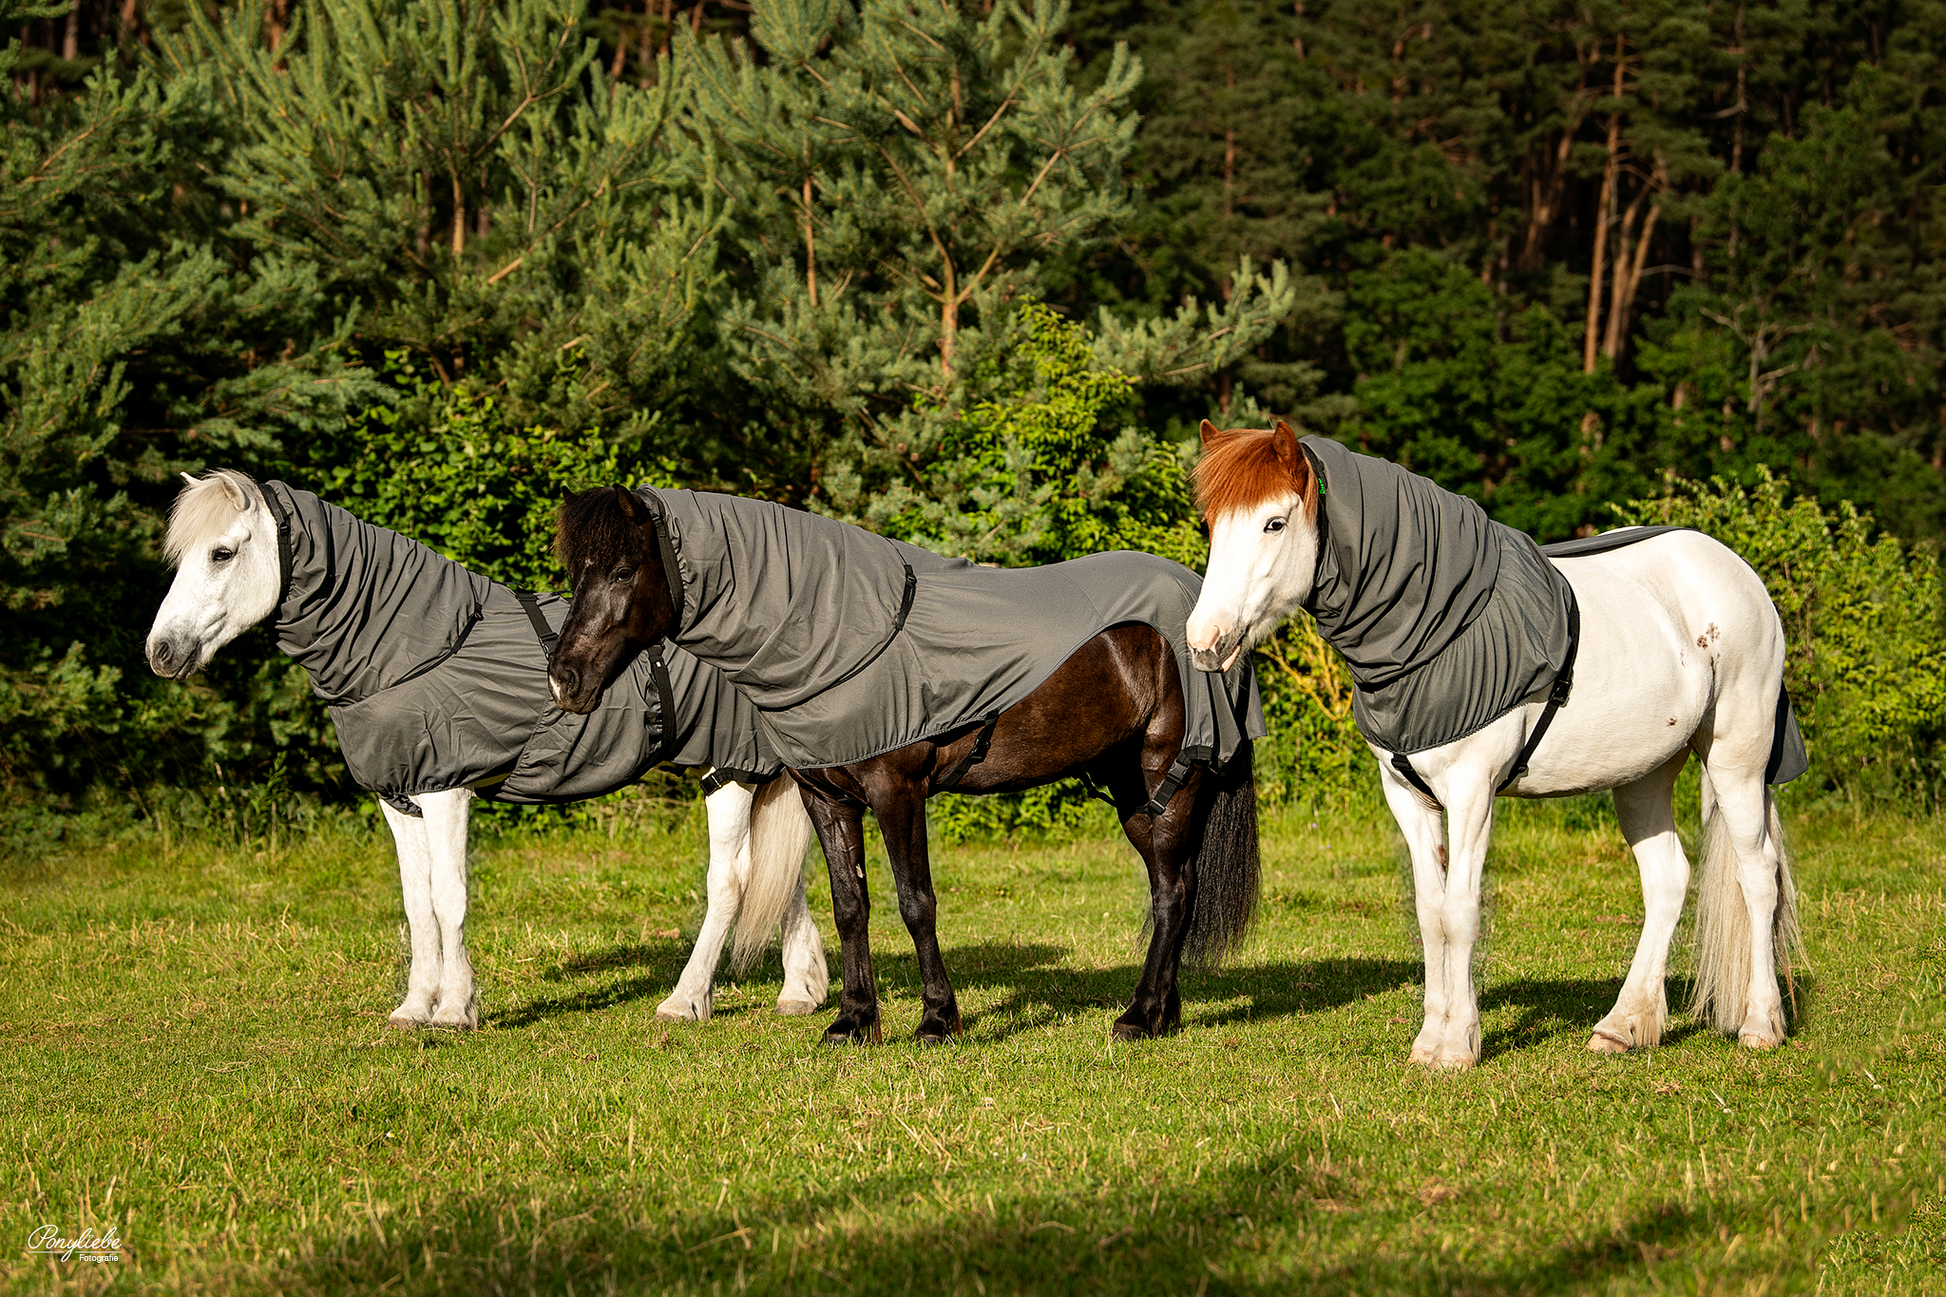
[[1226, 874]]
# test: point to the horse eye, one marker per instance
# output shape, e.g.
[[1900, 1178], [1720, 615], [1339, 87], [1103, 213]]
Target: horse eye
[[221, 555], [1275, 524], [624, 574]]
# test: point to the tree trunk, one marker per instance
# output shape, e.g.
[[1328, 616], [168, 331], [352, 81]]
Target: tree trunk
[[1628, 269], [1603, 210]]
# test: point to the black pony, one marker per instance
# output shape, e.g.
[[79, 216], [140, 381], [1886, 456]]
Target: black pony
[[1113, 712]]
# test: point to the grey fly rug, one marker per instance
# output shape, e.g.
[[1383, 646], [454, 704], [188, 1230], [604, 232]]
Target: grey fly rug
[[1447, 619], [436, 677], [852, 644]]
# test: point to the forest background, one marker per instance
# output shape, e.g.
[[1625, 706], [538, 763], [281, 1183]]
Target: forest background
[[965, 273]]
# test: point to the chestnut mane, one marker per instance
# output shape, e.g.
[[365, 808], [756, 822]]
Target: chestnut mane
[[1240, 469]]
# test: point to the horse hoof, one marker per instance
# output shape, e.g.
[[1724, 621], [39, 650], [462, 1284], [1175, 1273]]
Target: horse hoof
[[1752, 1040], [1602, 1043], [1130, 1031], [1454, 1063], [405, 1022], [931, 1041], [842, 1033], [796, 1008], [674, 1010]]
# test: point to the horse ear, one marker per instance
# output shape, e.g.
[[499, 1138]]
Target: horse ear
[[1209, 433], [234, 492], [1296, 462], [1286, 442], [632, 507], [187, 478]]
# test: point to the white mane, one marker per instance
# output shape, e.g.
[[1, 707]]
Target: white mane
[[204, 510]]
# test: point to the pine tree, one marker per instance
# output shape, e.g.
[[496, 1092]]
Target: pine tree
[[129, 347], [472, 181], [907, 173]]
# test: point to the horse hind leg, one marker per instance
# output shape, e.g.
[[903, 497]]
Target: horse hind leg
[[728, 809], [1745, 908], [806, 979], [1647, 815]]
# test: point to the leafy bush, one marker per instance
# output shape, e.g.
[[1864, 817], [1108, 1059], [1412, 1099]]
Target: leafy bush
[[482, 488], [1866, 662]]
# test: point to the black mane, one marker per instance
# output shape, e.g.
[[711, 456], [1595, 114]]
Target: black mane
[[592, 531]]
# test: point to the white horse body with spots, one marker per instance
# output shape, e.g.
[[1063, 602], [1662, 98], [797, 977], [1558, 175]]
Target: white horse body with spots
[[224, 543], [1681, 651]]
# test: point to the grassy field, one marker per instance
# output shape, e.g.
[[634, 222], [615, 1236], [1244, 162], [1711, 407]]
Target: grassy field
[[196, 1054]]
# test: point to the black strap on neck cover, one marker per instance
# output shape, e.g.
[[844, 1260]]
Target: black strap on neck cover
[[1557, 697], [283, 517], [531, 605], [671, 569]]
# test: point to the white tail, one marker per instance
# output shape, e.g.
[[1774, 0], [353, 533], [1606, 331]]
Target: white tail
[[1723, 920], [780, 833]]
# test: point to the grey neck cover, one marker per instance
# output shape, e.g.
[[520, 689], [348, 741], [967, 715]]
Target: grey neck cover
[[1447, 619], [365, 608]]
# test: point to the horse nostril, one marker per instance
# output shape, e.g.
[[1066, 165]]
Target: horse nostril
[[569, 681], [160, 658]]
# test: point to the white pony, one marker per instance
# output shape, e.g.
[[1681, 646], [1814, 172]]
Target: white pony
[[1680, 651], [223, 538]]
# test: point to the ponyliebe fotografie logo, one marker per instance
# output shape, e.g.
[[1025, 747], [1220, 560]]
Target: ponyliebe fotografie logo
[[47, 1241]]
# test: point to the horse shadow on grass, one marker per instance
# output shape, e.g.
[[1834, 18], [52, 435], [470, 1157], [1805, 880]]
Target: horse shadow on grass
[[1020, 986], [656, 964]]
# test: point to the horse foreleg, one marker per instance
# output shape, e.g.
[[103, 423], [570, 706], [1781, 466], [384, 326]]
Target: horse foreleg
[[901, 811], [729, 871], [1648, 821], [1423, 830], [1161, 841], [1469, 825], [446, 819], [415, 882], [840, 827]]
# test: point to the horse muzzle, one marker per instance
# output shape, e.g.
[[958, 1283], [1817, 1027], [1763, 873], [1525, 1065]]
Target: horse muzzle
[[570, 695], [174, 659], [1218, 657]]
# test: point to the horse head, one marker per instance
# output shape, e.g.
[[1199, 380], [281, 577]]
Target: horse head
[[1259, 495], [222, 540], [607, 540]]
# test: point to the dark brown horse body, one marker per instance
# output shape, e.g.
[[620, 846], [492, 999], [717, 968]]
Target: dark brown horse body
[[1113, 712]]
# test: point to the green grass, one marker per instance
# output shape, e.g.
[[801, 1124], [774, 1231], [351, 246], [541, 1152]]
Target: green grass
[[195, 1051]]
